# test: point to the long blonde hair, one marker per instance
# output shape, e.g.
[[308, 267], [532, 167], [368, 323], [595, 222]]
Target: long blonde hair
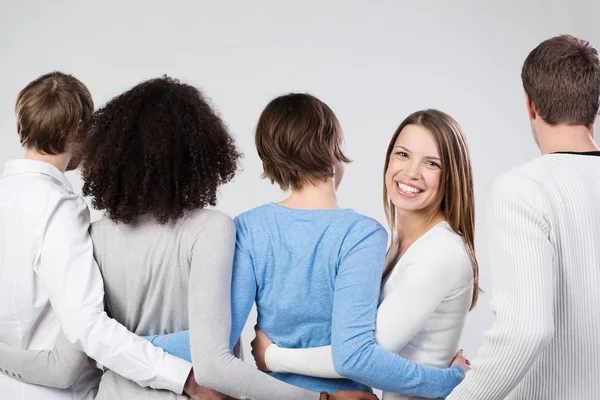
[[456, 199]]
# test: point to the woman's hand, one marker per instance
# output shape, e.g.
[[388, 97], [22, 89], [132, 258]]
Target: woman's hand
[[461, 360], [259, 347], [197, 392]]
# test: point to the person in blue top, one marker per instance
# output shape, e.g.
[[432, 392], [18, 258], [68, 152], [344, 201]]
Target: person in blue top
[[312, 268]]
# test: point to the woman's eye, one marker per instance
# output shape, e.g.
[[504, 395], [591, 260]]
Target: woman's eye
[[433, 164], [401, 154]]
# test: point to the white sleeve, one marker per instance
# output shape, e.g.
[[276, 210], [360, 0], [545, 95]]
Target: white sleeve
[[59, 367], [436, 268], [522, 257], [66, 266], [418, 291], [314, 361]]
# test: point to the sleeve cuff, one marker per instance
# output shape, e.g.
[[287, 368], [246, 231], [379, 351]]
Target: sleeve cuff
[[270, 358], [459, 372], [173, 374], [149, 338]]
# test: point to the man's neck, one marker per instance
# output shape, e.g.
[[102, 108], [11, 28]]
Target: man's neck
[[321, 196], [60, 161], [565, 138]]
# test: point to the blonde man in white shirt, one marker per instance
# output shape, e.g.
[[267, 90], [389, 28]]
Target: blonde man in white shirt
[[431, 275], [48, 276], [544, 232]]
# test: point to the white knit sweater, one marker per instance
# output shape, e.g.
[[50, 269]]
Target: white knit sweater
[[544, 230]]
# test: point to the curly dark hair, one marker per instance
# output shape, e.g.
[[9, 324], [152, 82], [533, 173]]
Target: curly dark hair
[[157, 149]]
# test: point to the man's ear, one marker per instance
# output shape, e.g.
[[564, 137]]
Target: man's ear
[[530, 107]]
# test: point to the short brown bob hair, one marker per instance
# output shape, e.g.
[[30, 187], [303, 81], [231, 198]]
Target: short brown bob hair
[[299, 140]]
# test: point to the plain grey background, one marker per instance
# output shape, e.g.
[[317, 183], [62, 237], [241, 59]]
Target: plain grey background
[[373, 62]]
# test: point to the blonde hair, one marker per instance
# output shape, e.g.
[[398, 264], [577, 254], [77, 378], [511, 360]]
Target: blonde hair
[[48, 110], [456, 199]]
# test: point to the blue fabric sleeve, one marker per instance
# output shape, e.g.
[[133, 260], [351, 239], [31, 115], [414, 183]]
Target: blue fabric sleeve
[[243, 290], [355, 354], [176, 344]]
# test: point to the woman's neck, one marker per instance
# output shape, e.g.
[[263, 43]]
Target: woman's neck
[[412, 225], [320, 196]]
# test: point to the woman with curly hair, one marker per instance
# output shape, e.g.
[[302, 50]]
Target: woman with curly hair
[[153, 161]]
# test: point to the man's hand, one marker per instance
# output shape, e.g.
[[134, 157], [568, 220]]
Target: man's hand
[[197, 392], [352, 395], [259, 347], [461, 360]]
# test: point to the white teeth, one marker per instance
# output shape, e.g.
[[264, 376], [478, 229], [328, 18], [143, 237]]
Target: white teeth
[[408, 189]]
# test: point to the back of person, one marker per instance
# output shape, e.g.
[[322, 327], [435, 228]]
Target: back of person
[[154, 205], [27, 319], [570, 186], [146, 267], [295, 255]]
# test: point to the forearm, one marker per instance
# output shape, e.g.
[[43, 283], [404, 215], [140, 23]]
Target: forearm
[[227, 374], [376, 367], [130, 356], [58, 368], [315, 361], [176, 344]]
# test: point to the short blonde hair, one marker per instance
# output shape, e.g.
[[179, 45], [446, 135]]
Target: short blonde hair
[[49, 108]]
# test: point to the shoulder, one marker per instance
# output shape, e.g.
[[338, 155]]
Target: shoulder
[[528, 178], [208, 221], [444, 251], [65, 206], [522, 187], [99, 228], [364, 224], [253, 215], [360, 228], [52, 194]]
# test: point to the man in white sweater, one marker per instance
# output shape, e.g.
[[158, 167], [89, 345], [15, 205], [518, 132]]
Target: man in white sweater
[[544, 230]]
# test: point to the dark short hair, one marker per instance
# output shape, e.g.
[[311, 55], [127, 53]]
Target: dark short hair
[[562, 78], [157, 149], [299, 140], [49, 108]]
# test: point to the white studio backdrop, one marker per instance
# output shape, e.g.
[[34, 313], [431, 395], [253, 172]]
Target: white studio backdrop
[[373, 62]]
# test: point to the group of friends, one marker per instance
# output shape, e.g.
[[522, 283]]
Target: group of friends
[[150, 301]]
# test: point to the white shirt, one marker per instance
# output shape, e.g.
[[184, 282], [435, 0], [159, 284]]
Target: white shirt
[[423, 305], [49, 279], [543, 222]]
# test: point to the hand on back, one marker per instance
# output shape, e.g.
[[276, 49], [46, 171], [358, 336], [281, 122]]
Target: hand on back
[[259, 348], [197, 392], [461, 360]]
